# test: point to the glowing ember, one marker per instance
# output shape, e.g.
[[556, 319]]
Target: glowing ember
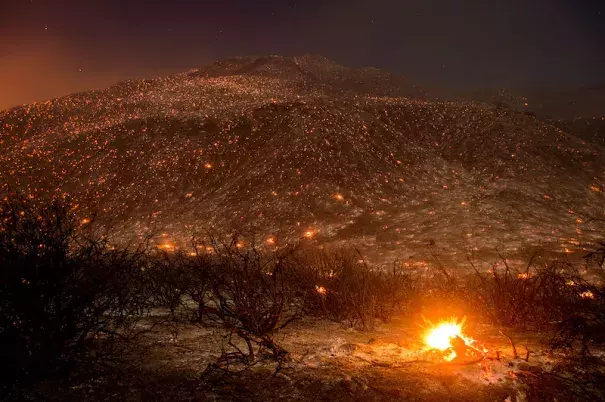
[[587, 295], [167, 246], [524, 275], [339, 197], [320, 289], [270, 240], [309, 234]]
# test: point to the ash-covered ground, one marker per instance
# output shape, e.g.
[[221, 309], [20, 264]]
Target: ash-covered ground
[[328, 362], [287, 147]]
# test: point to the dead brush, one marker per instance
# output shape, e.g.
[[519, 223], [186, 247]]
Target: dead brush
[[553, 298], [61, 290], [198, 281], [167, 279], [582, 322], [252, 297], [350, 290], [530, 298]]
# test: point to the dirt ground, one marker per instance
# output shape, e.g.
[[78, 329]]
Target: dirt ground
[[330, 362]]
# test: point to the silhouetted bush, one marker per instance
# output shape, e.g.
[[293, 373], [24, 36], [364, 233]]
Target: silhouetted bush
[[527, 299], [553, 298], [198, 272], [58, 289], [350, 290], [253, 296], [582, 321], [167, 279], [180, 282]]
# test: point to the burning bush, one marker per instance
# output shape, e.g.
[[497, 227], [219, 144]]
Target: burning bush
[[448, 341]]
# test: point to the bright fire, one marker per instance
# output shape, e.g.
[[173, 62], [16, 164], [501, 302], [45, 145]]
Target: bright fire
[[440, 336]]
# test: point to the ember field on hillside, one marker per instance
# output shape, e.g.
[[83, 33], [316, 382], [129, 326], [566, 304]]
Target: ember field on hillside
[[283, 146]]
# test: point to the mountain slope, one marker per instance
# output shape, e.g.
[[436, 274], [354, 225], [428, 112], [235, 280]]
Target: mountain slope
[[294, 145]]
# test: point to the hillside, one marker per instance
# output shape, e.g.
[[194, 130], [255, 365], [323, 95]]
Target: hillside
[[295, 146]]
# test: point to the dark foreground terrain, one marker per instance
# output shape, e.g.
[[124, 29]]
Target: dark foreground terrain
[[330, 362], [83, 319]]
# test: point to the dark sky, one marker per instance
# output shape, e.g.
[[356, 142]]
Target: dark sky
[[441, 43]]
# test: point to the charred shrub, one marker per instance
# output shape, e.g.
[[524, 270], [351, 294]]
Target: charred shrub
[[397, 287], [180, 282], [582, 321], [530, 298], [167, 279], [58, 288], [198, 271], [553, 297], [253, 296], [350, 290]]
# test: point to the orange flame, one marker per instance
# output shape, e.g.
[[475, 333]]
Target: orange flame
[[439, 337]]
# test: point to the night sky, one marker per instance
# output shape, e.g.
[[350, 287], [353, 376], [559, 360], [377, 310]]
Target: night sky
[[50, 48]]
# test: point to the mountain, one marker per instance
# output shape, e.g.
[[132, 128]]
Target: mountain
[[562, 104], [569, 103], [591, 129], [295, 146]]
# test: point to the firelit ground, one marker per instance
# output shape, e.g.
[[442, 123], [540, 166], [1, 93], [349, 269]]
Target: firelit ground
[[330, 362]]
